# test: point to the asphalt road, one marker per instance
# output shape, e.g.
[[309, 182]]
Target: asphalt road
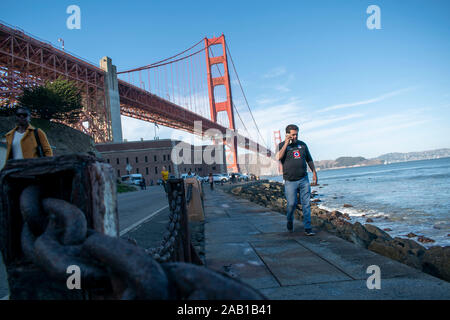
[[135, 208]]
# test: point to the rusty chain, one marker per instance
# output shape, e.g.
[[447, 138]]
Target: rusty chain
[[189, 193], [55, 235], [164, 252]]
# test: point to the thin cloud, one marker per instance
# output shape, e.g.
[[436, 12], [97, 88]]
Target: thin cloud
[[276, 72], [364, 102]]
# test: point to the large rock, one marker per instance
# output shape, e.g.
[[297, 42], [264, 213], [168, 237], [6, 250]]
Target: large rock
[[360, 235], [336, 214], [377, 232], [265, 185], [236, 190], [343, 228], [317, 221], [436, 261], [403, 250]]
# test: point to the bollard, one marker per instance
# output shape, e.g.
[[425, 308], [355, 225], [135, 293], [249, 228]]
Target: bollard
[[194, 205], [84, 181]]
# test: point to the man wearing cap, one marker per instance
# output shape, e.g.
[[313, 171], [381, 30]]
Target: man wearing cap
[[294, 155]]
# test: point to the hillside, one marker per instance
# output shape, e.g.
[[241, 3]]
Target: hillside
[[343, 162], [412, 156], [62, 138]]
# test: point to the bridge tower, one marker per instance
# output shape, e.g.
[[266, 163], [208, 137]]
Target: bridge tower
[[223, 106], [277, 141]]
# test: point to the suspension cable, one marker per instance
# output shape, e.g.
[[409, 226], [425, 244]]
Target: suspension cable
[[158, 62], [228, 50]]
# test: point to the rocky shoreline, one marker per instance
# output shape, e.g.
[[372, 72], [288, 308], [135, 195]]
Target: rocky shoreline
[[434, 261]]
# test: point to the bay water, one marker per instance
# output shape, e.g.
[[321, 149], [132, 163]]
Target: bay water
[[405, 197]]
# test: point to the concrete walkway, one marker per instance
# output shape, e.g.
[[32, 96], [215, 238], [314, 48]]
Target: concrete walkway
[[251, 243]]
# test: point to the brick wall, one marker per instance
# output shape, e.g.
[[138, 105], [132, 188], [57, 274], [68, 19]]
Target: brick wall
[[148, 158]]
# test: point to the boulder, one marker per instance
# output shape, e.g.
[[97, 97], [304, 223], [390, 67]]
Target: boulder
[[346, 205], [424, 239], [343, 228], [281, 201], [377, 232], [436, 261], [336, 214], [236, 190], [360, 235], [403, 250], [369, 220], [411, 235], [317, 221]]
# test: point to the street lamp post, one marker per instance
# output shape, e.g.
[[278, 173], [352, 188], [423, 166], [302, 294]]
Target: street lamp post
[[61, 40]]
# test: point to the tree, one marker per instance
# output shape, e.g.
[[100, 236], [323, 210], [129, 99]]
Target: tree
[[60, 100]]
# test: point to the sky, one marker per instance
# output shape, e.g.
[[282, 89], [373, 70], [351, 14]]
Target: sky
[[353, 91]]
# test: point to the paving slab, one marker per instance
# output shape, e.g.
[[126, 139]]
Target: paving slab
[[251, 242], [403, 288], [352, 259], [293, 264], [240, 260]]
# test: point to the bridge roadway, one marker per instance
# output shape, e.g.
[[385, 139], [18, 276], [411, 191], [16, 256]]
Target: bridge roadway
[[135, 208]]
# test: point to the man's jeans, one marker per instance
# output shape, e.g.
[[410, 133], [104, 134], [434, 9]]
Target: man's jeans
[[290, 190]]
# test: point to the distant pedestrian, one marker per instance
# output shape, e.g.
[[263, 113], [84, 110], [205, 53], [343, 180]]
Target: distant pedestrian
[[25, 141], [294, 155], [143, 185], [165, 177], [211, 181]]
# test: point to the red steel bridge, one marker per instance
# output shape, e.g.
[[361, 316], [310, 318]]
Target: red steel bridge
[[193, 85]]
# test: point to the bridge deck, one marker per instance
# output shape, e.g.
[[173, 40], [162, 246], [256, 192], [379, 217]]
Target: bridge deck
[[251, 242]]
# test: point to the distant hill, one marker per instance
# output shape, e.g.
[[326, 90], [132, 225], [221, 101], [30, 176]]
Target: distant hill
[[344, 162], [412, 156]]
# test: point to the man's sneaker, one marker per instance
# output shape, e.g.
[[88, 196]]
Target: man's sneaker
[[309, 232], [290, 226]]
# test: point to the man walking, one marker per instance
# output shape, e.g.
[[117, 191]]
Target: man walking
[[294, 155], [21, 142]]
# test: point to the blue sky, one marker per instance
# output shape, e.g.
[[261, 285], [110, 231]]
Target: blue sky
[[353, 91]]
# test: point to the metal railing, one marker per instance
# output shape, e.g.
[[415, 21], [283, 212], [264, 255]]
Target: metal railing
[[55, 215]]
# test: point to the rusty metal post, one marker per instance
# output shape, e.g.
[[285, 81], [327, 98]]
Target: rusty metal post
[[84, 181]]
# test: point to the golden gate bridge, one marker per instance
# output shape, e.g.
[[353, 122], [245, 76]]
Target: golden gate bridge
[[193, 87]]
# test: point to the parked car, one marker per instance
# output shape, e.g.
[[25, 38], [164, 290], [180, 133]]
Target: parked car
[[134, 178], [185, 175], [220, 177], [241, 177]]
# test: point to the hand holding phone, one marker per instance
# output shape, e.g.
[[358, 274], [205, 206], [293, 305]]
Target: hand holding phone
[[288, 138]]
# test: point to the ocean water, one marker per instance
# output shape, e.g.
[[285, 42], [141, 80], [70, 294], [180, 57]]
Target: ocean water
[[405, 197]]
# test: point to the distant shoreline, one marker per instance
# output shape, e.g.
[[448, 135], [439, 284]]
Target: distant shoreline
[[376, 165]]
